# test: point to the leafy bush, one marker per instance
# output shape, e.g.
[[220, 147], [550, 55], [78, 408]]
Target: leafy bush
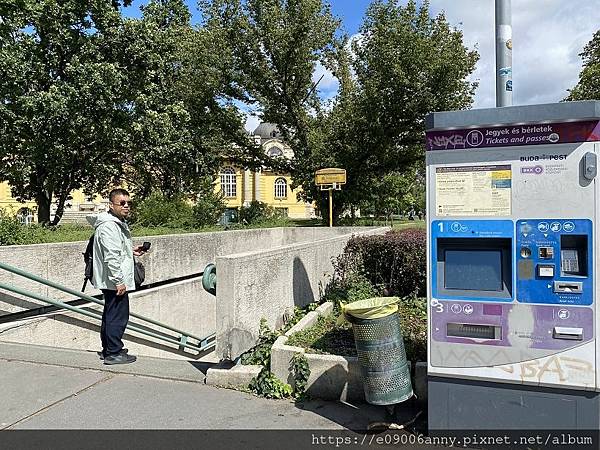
[[157, 210], [395, 262], [11, 231], [260, 354], [255, 212], [350, 288], [208, 209], [413, 320]]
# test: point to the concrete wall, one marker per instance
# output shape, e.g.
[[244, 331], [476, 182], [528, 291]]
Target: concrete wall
[[266, 274], [268, 284], [171, 256]]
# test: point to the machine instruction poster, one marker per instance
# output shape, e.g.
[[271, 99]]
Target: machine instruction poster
[[473, 190]]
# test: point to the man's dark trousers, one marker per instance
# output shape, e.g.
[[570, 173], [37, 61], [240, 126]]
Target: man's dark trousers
[[114, 320]]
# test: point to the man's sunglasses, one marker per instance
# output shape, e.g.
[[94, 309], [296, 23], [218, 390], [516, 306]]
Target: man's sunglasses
[[123, 203]]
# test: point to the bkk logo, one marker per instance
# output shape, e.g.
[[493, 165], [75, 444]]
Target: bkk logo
[[532, 170]]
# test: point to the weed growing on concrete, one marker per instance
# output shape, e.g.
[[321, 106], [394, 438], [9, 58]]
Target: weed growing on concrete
[[300, 371], [268, 385]]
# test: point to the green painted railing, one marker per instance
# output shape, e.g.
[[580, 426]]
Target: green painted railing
[[183, 340]]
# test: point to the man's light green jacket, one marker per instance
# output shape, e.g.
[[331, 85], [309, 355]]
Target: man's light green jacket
[[113, 252]]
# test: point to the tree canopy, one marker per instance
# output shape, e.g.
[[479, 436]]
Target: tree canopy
[[62, 108], [89, 98], [588, 87], [403, 65]]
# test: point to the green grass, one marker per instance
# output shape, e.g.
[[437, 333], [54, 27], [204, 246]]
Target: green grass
[[326, 337], [406, 224]]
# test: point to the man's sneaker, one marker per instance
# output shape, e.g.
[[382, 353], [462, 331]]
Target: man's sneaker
[[121, 358], [101, 355]]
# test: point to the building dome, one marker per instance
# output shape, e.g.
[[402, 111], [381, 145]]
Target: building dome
[[267, 131]]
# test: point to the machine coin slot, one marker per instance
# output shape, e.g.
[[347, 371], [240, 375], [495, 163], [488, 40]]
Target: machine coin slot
[[546, 252], [525, 252], [573, 255], [568, 287], [469, 330], [572, 334]]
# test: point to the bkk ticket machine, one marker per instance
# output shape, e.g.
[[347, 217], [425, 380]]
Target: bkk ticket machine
[[512, 210]]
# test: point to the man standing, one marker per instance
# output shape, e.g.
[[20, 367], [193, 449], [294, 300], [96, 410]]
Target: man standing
[[113, 273]]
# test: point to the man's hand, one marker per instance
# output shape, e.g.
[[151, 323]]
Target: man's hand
[[138, 250], [121, 289]]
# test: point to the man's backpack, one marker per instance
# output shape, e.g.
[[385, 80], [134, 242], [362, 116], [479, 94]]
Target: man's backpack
[[139, 271], [88, 259]]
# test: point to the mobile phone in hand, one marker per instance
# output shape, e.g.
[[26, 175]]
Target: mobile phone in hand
[[146, 246]]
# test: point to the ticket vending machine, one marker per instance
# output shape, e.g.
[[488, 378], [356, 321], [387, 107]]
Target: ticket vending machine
[[512, 211]]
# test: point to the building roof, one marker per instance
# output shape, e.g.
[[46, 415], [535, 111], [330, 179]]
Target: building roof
[[267, 131]]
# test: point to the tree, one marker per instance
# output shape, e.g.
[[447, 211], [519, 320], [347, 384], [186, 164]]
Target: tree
[[404, 65], [183, 120], [275, 46], [62, 103], [396, 192], [588, 87]]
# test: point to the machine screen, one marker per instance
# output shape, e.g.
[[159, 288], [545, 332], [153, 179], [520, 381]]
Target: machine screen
[[477, 270]]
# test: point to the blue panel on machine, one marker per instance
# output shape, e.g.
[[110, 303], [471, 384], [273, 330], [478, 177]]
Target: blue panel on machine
[[472, 259], [554, 261]]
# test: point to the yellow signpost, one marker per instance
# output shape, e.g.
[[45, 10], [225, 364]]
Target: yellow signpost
[[328, 180]]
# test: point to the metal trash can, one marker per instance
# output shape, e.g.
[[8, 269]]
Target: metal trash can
[[380, 347]]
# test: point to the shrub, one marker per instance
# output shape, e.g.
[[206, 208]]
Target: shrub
[[255, 212], [208, 209], [11, 231], [157, 210], [350, 288], [394, 262]]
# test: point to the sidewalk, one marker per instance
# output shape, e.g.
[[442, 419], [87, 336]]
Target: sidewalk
[[50, 388]]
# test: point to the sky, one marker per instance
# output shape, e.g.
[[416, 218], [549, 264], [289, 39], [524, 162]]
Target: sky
[[547, 36]]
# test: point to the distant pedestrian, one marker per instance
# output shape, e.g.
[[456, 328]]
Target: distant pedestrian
[[113, 268]]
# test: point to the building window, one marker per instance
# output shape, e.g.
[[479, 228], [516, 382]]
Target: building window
[[228, 182], [280, 188], [275, 152]]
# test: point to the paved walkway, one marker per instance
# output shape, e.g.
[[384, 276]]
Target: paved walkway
[[59, 389]]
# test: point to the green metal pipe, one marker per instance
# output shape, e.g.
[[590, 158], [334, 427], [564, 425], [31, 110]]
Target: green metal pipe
[[54, 285], [97, 316]]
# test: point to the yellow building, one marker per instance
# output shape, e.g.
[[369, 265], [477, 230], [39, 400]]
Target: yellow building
[[240, 187], [26, 212], [76, 208]]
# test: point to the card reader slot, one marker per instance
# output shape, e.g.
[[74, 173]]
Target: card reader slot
[[568, 287], [570, 334], [475, 331]]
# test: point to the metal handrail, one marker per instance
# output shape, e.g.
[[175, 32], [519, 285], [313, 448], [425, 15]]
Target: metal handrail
[[182, 342]]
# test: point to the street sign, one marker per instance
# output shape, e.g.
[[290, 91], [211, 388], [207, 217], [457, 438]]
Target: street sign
[[330, 176], [328, 180]]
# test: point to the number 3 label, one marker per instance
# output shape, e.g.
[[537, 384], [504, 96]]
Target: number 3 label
[[439, 307]]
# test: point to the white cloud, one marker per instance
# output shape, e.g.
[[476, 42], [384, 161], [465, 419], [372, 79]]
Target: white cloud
[[251, 122], [548, 35], [328, 83]]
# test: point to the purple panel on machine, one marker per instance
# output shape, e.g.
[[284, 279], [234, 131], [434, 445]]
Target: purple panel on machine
[[488, 324]]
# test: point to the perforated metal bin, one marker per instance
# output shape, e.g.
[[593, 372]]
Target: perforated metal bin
[[382, 357]]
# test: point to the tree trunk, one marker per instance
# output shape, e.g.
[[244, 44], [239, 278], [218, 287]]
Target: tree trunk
[[59, 212], [43, 209]]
